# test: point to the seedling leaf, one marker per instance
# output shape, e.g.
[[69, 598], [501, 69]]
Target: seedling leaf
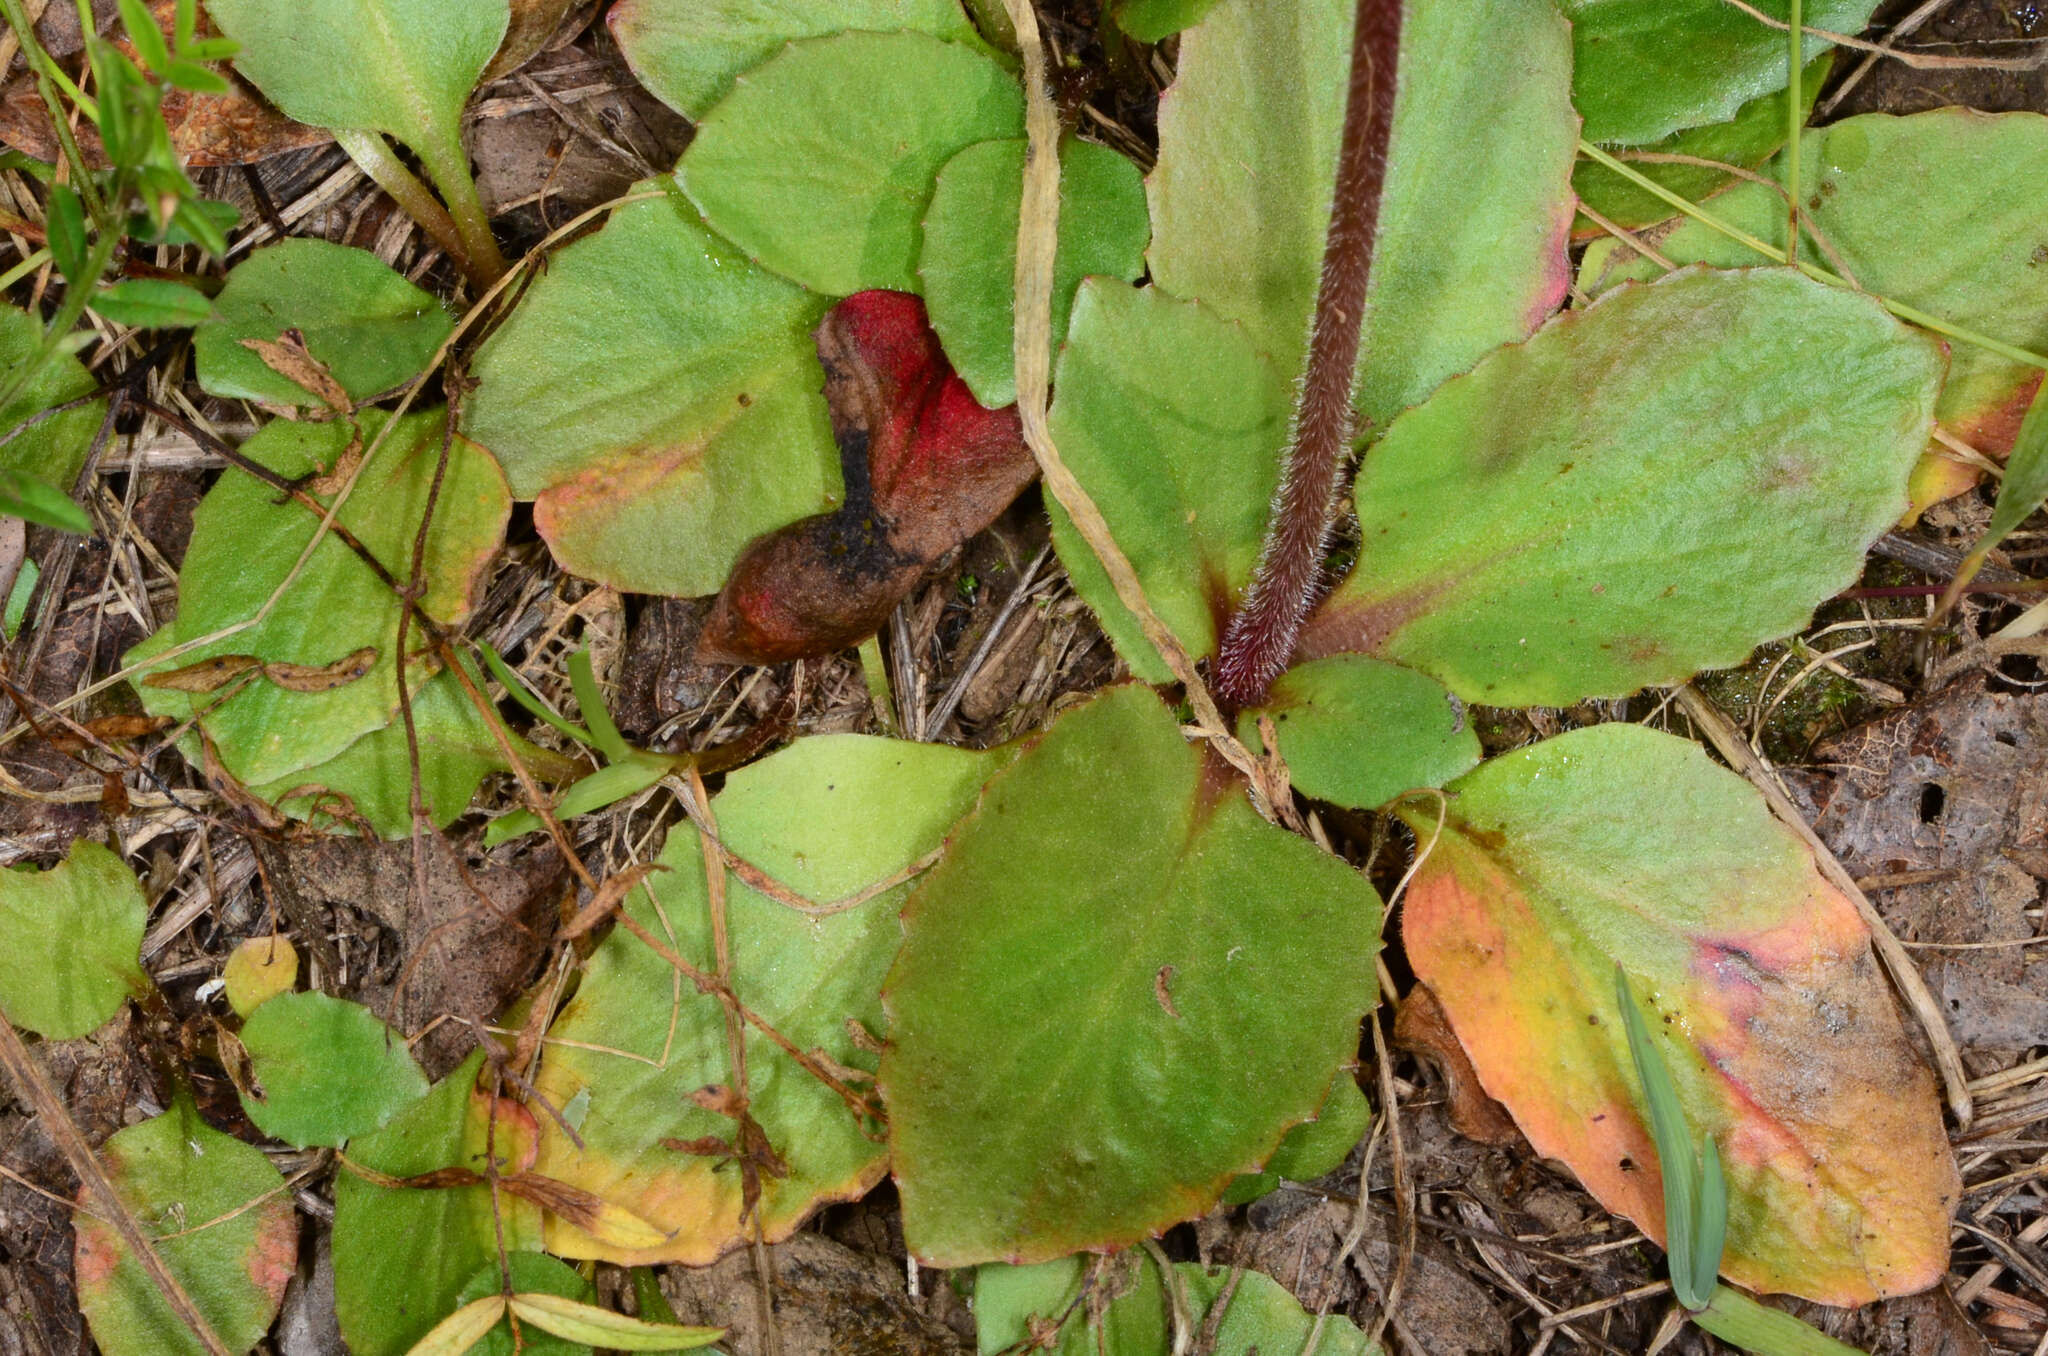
[[258, 970], [327, 1070], [73, 938]]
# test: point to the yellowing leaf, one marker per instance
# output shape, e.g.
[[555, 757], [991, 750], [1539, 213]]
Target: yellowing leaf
[[1619, 844], [462, 1329], [597, 1327], [258, 969]]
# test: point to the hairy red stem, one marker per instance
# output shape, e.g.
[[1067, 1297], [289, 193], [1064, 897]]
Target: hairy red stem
[[1260, 638]]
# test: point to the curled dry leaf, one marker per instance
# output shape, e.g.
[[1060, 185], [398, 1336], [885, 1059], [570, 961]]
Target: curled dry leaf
[[204, 675], [1422, 1029], [322, 677], [612, 1225], [288, 356], [925, 467]]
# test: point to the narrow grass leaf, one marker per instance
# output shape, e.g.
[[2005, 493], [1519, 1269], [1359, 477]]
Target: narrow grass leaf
[[1674, 1145], [597, 1327]]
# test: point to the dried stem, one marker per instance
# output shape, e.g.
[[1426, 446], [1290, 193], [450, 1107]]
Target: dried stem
[[36, 1093], [1260, 638]]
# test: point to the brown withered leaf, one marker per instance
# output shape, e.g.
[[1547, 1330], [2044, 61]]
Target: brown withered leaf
[[610, 1224], [204, 675], [236, 128], [322, 677], [108, 730], [1422, 1029], [925, 468], [533, 23], [288, 356], [608, 898]]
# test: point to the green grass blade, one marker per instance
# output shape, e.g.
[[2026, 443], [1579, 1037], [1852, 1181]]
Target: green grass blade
[[1735, 1317], [591, 699], [1710, 1223], [1674, 1145], [526, 697]]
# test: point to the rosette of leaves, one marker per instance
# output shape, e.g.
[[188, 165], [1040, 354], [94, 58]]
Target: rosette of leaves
[[1583, 512]]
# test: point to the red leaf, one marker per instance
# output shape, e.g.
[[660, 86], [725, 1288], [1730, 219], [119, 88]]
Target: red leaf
[[926, 467]]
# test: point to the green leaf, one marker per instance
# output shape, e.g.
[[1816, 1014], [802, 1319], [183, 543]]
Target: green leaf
[[53, 452], [1358, 732], [402, 67], [659, 397], [243, 544], [1710, 1222], [389, 1291], [1175, 427], [688, 52], [533, 1274], [1752, 136], [1125, 1311], [16, 610], [970, 250], [606, 786], [64, 224], [1470, 251], [1897, 198], [828, 817], [1313, 1148], [73, 938], [147, 37], [1588, 514], [1158, 20], [222, 1221], [1643, 69], [152, 304], [326, 1070], [1619, 845], [23, 496], [456, 1334], [364, 322], [375, 772], [1148, 921], [856, 126]]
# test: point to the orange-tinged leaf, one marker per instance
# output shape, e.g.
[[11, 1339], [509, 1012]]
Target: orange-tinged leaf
[[1619, 844], [566, 1318], [462, 1329]]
